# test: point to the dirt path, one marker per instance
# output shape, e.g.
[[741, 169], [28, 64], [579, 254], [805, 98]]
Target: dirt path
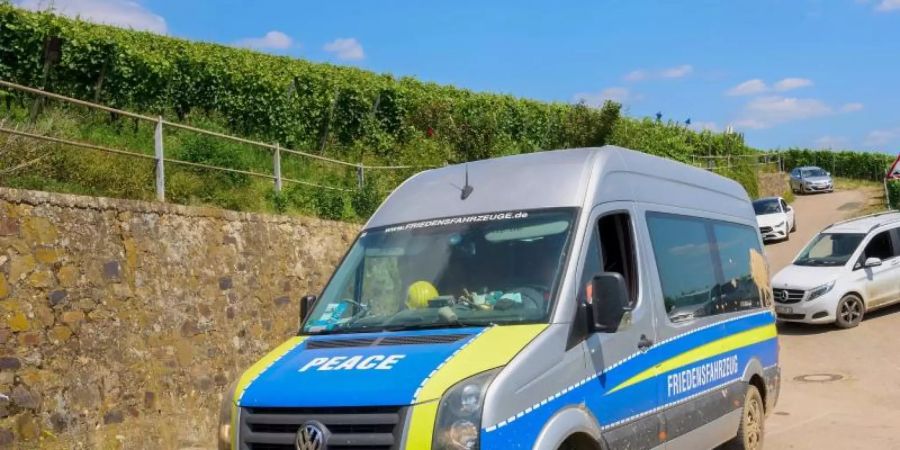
[[862, 410]]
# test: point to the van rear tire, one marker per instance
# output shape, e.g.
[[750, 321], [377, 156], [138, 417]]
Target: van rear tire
[[751, 431]]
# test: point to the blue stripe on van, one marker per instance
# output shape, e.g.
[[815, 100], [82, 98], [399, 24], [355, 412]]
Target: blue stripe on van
[[639, 400], [295, 382]]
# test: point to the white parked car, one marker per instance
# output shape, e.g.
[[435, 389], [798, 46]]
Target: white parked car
[[847, 270], [775, 218]]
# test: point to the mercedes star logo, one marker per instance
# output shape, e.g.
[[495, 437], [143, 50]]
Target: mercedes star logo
[[312, 435]]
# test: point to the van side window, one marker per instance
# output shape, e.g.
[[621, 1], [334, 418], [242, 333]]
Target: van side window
[[617, 247], [685, 264], [744, 270], [707, 267], [612, 252], [590, 269], [879, 247]]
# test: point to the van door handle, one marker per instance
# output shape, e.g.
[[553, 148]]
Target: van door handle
[[644, 343]]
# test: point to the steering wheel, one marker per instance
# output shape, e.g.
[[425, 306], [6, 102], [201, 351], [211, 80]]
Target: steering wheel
[[533, 293]]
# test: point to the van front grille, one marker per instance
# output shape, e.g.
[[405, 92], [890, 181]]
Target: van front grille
[[364, 428], [788, 295]]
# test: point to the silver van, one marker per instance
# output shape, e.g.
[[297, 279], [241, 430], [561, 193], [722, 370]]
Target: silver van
[[577, 299]]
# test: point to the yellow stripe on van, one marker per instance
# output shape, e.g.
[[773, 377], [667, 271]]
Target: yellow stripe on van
[[493, 348], [421, 425], [709, 350], [252, 373]]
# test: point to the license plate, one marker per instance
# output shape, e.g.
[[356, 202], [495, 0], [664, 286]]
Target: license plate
[[784, 310]]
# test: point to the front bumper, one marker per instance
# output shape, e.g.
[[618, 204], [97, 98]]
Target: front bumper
[[774, 233], [818, 187], [821, 310]]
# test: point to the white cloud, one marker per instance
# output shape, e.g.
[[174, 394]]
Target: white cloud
[[677, 72], [636, 75], [274, 40], [888, 5], [122, 13], [758, 86], [616, 94], [881, 138], [766, 112], [852, 107], [348, 49], [788, 84], [749, 87], [669, 73], [830, 142]]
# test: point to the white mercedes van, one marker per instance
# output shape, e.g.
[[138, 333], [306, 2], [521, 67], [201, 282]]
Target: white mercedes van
[[578, 299], [848, 269]]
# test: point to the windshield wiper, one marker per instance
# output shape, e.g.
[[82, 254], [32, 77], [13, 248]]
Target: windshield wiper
[[435, 325]]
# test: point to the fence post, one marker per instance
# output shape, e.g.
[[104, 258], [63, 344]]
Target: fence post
[[277, 164], [160, 161], [360, 175]]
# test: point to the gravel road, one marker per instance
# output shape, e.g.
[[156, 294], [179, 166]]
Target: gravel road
[[861, 410]]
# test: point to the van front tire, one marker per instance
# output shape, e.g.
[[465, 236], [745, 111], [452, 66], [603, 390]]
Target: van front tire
[[850, 311], [752, 428]]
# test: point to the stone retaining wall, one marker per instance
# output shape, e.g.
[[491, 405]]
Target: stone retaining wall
[[121, 322]]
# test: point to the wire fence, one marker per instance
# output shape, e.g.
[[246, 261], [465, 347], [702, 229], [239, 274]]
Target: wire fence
[[727, 162], [159, 153]]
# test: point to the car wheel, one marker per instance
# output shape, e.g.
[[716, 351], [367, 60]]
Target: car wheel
[[752, 428], [850, 311], [794, 226]]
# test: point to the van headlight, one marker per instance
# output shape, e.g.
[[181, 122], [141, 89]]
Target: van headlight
[[458, 425], [226, 419], [820, 290]]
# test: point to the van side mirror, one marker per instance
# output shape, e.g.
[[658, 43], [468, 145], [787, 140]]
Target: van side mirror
[[872, 262], [609, 301], [306, 306]]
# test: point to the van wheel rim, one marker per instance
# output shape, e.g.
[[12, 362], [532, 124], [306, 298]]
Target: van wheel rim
[[851, 310], [753, 424]]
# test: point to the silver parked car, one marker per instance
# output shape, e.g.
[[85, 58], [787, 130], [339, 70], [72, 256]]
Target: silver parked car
[[810, 179]]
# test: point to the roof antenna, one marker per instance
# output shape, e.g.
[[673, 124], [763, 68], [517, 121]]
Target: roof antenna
[[467, 188]]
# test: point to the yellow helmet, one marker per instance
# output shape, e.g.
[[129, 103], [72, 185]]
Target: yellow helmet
[[419, 293]]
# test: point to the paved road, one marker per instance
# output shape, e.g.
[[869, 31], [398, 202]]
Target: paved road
[[861, 411]]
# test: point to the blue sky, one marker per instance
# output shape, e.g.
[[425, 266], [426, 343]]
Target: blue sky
[[813, 73]]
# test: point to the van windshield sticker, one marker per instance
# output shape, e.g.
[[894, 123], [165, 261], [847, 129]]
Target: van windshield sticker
[[457, 220]]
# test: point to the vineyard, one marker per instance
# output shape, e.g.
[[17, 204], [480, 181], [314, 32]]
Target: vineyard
[[338, 112]]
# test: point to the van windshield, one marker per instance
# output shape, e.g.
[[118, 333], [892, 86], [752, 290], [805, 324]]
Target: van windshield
[[829, 249], [499, 268]]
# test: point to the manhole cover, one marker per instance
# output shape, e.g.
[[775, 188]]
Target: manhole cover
[[819, 378]]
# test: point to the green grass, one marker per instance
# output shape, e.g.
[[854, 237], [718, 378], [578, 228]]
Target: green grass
[[70, 169]]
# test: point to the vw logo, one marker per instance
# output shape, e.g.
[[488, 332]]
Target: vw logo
[[312, 435]]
